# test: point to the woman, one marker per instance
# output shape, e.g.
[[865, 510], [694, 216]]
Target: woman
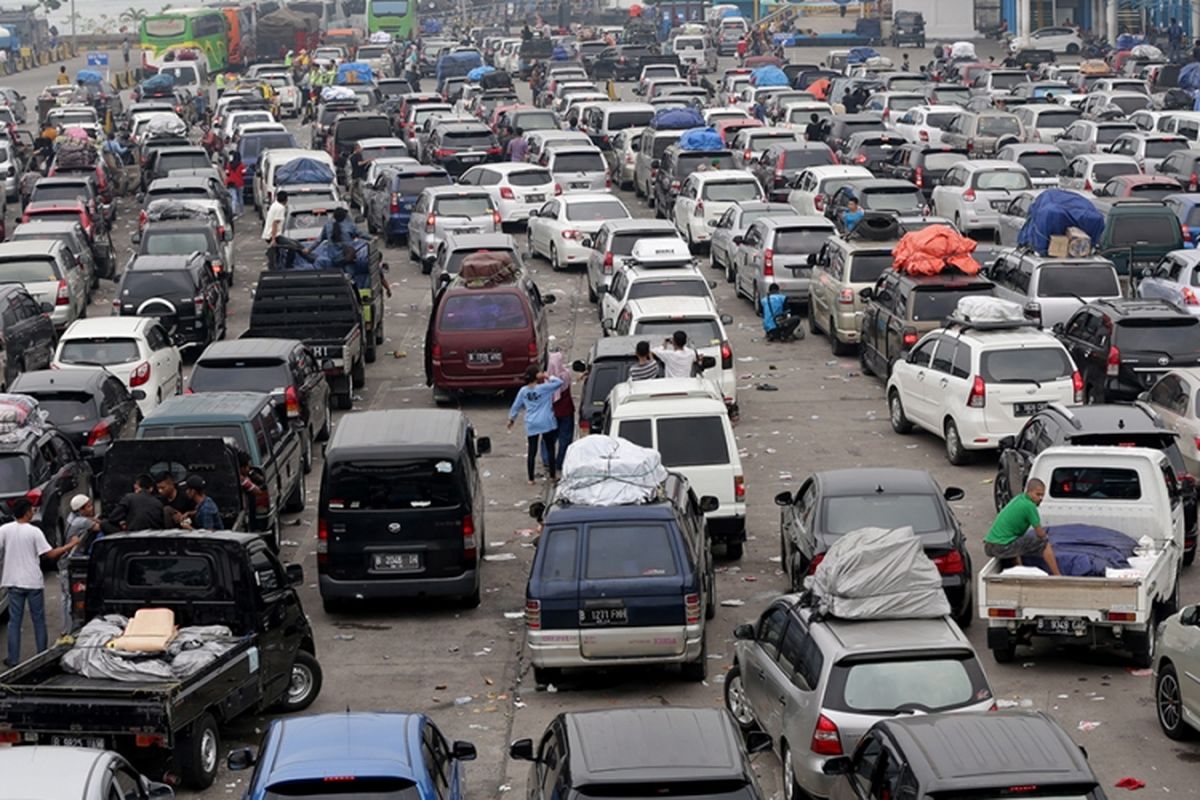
[[536, 397], [235, 182], [564, 410]]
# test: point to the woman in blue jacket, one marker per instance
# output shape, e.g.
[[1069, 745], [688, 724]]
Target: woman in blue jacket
[[536, 397]]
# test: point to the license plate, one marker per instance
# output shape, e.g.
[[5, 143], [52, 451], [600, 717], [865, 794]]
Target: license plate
[[1000, 205], [320, 351], [470, 159], [486, 357], [534, 198], [1027, 409], [94, 742], [396, 562], [463, 230], [1059, 626], [604, 616], [581, 186]]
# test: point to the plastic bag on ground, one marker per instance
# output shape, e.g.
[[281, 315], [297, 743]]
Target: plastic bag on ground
[[930, 250], [874, 573], [603, 470]]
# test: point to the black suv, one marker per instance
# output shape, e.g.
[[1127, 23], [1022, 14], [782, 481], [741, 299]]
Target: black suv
[[458, 146], [846, 125], [27, 336], [165, 160], [183, 292], [779, 165], [1136, 425], [923, 165], [182, 237], [673, 169], [46, 468], [1122, 347], [608, 364]]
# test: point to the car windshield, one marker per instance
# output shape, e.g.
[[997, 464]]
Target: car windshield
[[939, 682], [731, 191], [668, 287], [251, 146], [867, 267], [344, 789], [1056, 119], [701, 332], [808, 157], [174, 243], [1174, 336], [892, 198], [532, 177], [413, 185], [98, 351], [39, 270], [794, 241], [596, 210], [14, 474], [1078, 281], [578, 162], [842, 514], [1025, 365], [1009, 180], [240, 375], [384, 486], [622, 243], [938, 302], [1145, 229], [535, 120], [1107, 134], [471, 206], [68, 408], [489, 311], [1043, 165]]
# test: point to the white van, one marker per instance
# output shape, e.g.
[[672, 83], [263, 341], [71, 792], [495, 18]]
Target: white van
[[696, 50], [684, 419]]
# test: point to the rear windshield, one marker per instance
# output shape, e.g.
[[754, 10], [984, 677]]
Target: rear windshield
[[688, 162], [173, 283], [174, 243], [533, 177], [943, 161], [1107, 134], [1161, 148], [356, 788], [670, 287], [941, 119], [1080, 281], [622, 243], [620, 120], [841, 515], [762, 141], [692, 441], [32, 271], [628, 551], [1003, 179], [1095, 483], [892, 198], [477, 206], [793, 241], [854, 126], [1103, 173], [454, 262], [578, 162], [98, 352], [483, 312], [1056, 119], [937, 303], [251, 146], [867, 267], [927, 685], [369, 486], [700, 332], [952, 94], [1130, 103], [240, 375], [14, 474], [535, 120], [661, 143], [468, 139], [47, 192], [363, 129], [596, 210], [904, 103], [66, 408], [420, 113], [808, 157], [1171, 335], [385, 151], [1152, 191], [167, 162], [233, 434], [306, 219], [1043, 165], [731, 191], [1025, 365], [190, 572], [907, 85], [413, 185], [1145, 229], [1008, 80], [998, 126]]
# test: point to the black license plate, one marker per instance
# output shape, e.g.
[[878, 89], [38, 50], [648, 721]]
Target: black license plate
[[1027, 409], [94, 742], [534, 198], [1061, 626], [1000, 205], [396, 562], [615, 615], [581, 186], [484, 358]]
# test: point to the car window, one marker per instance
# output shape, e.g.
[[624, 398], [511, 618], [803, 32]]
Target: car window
[[923, 354], [770, 629], [628, 551]]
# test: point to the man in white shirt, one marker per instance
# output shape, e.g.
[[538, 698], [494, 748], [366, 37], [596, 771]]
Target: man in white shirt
[[23, 546], [677, 358], [273, 223]]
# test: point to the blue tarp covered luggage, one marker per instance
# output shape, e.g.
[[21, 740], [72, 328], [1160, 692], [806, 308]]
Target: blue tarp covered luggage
[[860, 54], [303, 170], [461, 63], [1052, 212], [1127, 41], [354, 72], [1189, 76], [328, 255], [479, 72], [431, 26], [89, 76], [701, 139], [730, 12], [677, 119], [559, 53], [160, 83], [769, 76], [1085, 550]]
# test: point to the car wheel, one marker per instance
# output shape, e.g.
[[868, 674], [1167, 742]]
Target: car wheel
[[306, 460], [1072, 49], [788, 776], [327, 424], [554, 265], [864, 361], [297, 501], [304, 685], [1001, 493], [734, 550], [900, 423], [545, 676], [839, 347], [1168, 701], [736, 700], [1005, 653], [592, 296], [956, 454], [197, 753], [755, 299]]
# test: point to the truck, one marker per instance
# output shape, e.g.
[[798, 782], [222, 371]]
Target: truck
[[1133, 490], [322, 309], [173, 726]]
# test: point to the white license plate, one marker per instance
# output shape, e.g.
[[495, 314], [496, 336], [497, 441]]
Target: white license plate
[[485, 357], [534, 198], [464, 230], [1000, 205], [396, 562], [1027, 409], [604, 616], [581, 186], [94, 742], [469, 158], [1059, 626]]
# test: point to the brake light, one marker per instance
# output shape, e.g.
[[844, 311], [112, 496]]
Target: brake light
[[443, 152], [768, 263], [747, 154], [506, 193], [394, 208], [1114, 362], [909, 337], [430, 223], [674, 186], [950, 564], [496, 218], [608, 263], [10, 737], [533, 615], [64, 294], [292, 400], [470, 546], [1193, 182], [323, 534], [919, 177], [99, 434], [1120, 616], [493, 151], [34, 496], [142, 219], [819, 202], [978, 396], [533, 351], [557, 189], [1002, 613], [739, 487], [607, 181], [969, 195], [826, 741], [1187, 235], [726, 355], [1087, 185], [970, 145], [861, 158], [140, 375], [691, 608], [1077, 386], [572, 234], [150, 740], [923, 135], [585, 426]]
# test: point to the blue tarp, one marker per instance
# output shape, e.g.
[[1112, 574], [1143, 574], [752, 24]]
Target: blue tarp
[[328, 255], [158, 83], [461, 63], [1127, 41], [677, 119], [303, 170], [1052, 212], [431, 26], [860, 54], [89, 76], [560, 53], [1086, 550], [701, 139], [730, 12], [1189, 76], [479, 72], [769, 76], [354, 72]]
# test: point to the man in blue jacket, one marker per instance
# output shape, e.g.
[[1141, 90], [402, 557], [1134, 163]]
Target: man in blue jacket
[[778, 324]]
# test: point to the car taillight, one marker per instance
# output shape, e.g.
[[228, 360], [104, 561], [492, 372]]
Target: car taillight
[[585, 426], [674, 186], [861, 158], [533, 615], [923, 136], [1193, 182], [608, 263], [909, 337], [533, 351], [323, 535], [34, 496], [292, 400], [572, 235], [978, 396], [607, 181], [493, 151], [430, 223], [99, 434], [747, 154], [557, 189], [739, 487], [1087, 185], [768, 263], [950, 564], [506, 193], [691, 608], [726, 355], [826, 741], [1114, 362], [496, 218], [919, 177], [140, 375], [64, 294], [1077, 386], [846, 297], [198, 304], [970, 145], [443, 152], [470, 543], [394, 208], [1189, 296], [969, 195]]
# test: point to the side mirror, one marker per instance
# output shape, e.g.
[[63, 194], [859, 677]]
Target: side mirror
[[240, 759], [521, 750], [1008, 443], [483, 445], [47, 308], [1145, 272], [1190, 615], [707, 362], [463, 751], [295, 574], [607, 325], [136, 237], [578, 366], [784, 499], [709, 504], [549, 299], [737, 239], [866, 293], [840, 765], [745, 632], [537, 510], [726, 319], [158, 791], [812, 259], [1057, 328], [953, 493], [588, 243]]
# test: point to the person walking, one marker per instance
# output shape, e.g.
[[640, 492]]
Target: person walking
[[63, 79], [563, 407], [82, 525], [125, 47], [518, 147], [23, 546], [207, 517], [235, 182], [536, 398], [1017, 530]]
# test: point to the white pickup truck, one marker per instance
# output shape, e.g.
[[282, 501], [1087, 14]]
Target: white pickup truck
[[1129, 489]]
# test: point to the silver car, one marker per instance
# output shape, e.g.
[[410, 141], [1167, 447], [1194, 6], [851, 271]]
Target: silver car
[[578, 169], [1175, 278], [733, 223], [816, 686], [11, 169], [623, 156], [51, 274], [776, 250], [650, 150], [456, 247], [1176, 665], [443, 209], [81, 773]]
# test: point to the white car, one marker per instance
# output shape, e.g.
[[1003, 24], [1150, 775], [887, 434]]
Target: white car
[[798, 115], [558, 229], [975, 386], [972, 193], [517, 189], [924, 124], [235, 120], [815, 185], [1059, 39], [291, 102], [1045, 122], [890, 106], [637, 283], [705, 196], [1147, 149], [577, 168], [1089, 172], [714, 115], [137, 350]]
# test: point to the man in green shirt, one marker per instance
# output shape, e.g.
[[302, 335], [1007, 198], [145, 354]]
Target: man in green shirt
[[1009, 537]]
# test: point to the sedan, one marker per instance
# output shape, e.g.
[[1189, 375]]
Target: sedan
[[1176, 663], [558, 229]]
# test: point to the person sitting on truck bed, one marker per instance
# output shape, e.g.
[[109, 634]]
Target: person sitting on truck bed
[[139, 510], [177, 507], [1009, 537], [207, 516]]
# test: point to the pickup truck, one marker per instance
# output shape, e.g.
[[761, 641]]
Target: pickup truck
[[206, 578], [323, 310], [1130, 489]]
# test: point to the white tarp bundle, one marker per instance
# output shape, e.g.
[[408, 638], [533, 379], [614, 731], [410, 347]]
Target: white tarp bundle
[[962, 50], [987, 309], [875, 573], [1146, 51], [166, 125], [337, 93], [607, 471], [189, 652]]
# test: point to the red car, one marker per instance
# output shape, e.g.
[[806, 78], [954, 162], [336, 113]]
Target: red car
[[73, 210], [1141, 187]]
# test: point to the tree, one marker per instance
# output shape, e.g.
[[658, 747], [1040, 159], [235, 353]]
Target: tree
[[50, 5], [133, 14]]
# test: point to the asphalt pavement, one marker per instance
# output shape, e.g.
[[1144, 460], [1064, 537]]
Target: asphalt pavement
[[467, 670]]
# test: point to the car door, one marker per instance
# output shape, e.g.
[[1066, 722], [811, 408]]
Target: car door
[[1169, 397], [913, 377], [613, 298], [547, 222], [1163, 282], [69, 474], [285, 448], [721, 237], [801, 660], [18, 337], [798, 545], [273, 595], [760, 659], [744, 261], [164, 362], [684, 204], [1087, 339], [864, 765], [1015, 461], [314, 389]]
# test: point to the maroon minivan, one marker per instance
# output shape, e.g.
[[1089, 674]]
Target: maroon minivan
[[484, 337]]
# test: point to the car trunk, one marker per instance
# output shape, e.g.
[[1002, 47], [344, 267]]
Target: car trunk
[[1151, 347], [74, 414], [789, 255], [1021, 381], [484, 338], [462, 215]]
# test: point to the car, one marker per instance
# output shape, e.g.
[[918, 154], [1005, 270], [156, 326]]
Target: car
[[774, 251], [1183, 165], [990, 81], [459, 246], [516, 188], [612, 247], [73, 236], [165, 160], [203, 185], [1103, 105], [973, 192], [1089, 173], [655, 277], [559, 227], [705, 195], [812, 187], [876, 195], [457, 146], [577, 168], [443, 209], [651, 146], [622, 156], [1137, 234], [749, 145], [795, 673], [675, 166], [733, 223], [846, 125], [27, 333], [41, 464], [841, 270], [183, 292], [922, 165], [1184, 205], [83, 772], [137, 350], [1043, 162], [1175, 700], [1044, 122], [1148, 149], [1049, 289], [391, 191], [170, 235], [75, 186], [51, 273], [1059, 39], [1091, 136], [1147, 187]]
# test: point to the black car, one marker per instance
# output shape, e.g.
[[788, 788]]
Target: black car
[[458, 146], [846, 125], [90, 406], [923, 165], [608, 364], [184, 237], [1122, 347], [45, 467], [871, 149], [674, 167], [283, 367], [183, 292], [1111, 425], [780, 163], [326, 114], [621, 63], [27, 336], [908, 27], [833, 503]]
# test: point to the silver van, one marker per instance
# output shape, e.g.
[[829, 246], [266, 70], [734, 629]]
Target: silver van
[[776, 250], [649, 152], [578, 169], [443, 209]]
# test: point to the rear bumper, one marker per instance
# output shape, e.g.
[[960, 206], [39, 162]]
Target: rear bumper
[[728, 528], [385, 588], [514, 380], [397, 224], [563, 648]]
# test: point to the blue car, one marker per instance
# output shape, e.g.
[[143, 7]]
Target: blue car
[[1187, 209], [377, 754], [388, 199], [252, 145]]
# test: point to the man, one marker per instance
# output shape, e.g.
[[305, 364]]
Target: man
[[125, 46], [23, 546], [853, 100], [273, 222], [814, 131], [139, 510], [646, 367], [851, 215], [1174, 36], [359, 164], [518, 148], [81, 524], [1009, 536], [178, 508], [207, 516], [677, 358], [778, 324], [63, 79]]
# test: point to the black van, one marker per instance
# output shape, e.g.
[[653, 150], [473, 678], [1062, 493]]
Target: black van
[[401, 509], [608, 364]]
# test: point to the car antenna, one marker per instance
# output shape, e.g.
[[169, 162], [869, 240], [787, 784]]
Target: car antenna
[[878, 489], [1121, 423]]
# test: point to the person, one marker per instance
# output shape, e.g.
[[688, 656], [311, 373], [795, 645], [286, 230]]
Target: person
[[235, 182], [851, 215], [814, 131], [341, 229], [220, 83], [853, 100], [207, 516], [63, 79], [742, 46], [177, 507], [125, 47], [563, 406], [677, 358], [646, 367], [526, 34], [23, 546], [81, 524], [29, 180], [518, 148], [778, 324], [359, 164], [1010, 537], [1174, 35], [138, 510], [276, 214], [536, 398]]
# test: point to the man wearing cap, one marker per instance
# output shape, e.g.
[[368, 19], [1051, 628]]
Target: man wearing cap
[[207, 516], [81, 525]]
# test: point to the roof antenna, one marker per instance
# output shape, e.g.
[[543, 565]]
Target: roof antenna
[[878, 489], [1121, 423]]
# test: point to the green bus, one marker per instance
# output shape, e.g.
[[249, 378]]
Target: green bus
[[397, 17], [203, 29]]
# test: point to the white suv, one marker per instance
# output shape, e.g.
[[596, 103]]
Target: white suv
[[707, 195], [975, 383], [972, 193]]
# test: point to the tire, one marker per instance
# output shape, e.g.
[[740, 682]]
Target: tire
[[358, 374], [197, 753], [306, 459], [838, 347], [863, 361], [592, 296], [637, 189], [736, 702], [1188, 557], [1001, 493], [304, 686], [473, 599], [554, 258], [813, 327], [734, 550], [544, 676], [755, 300], [1072, 49], [900, 423], [369, 351], [1142, 648], [327, 425], [697, 671], [298, 499], [1005, 654], [956, 454], [332, 605], [787, 775], [343, 400], [967, 616], [379, 334], [1168, 704]]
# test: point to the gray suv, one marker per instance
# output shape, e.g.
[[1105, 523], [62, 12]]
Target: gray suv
[[775, 250], [816, 686], [448, 209]]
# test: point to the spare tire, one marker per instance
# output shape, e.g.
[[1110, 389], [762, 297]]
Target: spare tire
[[877, 226], [163, 309]]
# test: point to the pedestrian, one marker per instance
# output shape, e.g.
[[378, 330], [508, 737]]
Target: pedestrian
[[251, 483], [125, 47], [82, 525], [678, 359], [536, 398], [813, 131], [63, 79], [273, 222], [904, 65], [778, 324], [207, 516], [646, 367], [1174, 36], [1009, 537], [235, 182], [359, 164], [518, 148], [851, 215], [137, 510], [23, 546], [563, 406]]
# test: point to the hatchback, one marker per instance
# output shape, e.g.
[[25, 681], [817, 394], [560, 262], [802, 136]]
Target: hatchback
[[443, 209], [577, 169], [516, 189], [137, 350], [51, 273], [775, 251]]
